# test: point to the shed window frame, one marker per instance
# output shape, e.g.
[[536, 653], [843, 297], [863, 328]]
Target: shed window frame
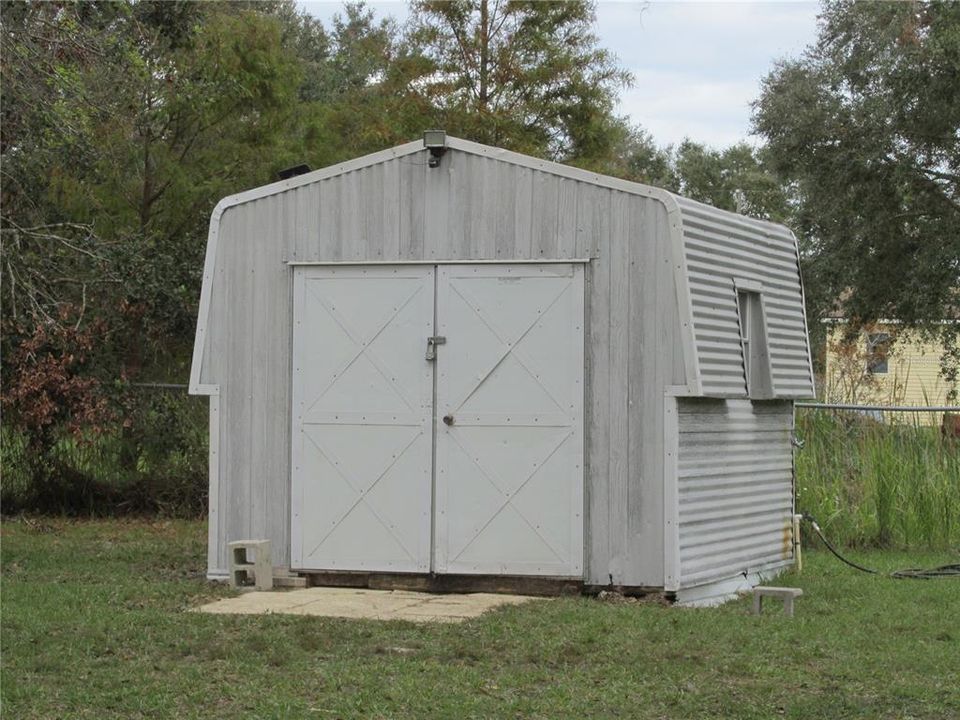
[[744, 307], [754, 339]]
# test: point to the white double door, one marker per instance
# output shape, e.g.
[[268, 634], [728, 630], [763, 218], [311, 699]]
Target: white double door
[[438, 419]]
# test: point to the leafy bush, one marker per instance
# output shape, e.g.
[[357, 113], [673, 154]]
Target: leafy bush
[[155, 461]]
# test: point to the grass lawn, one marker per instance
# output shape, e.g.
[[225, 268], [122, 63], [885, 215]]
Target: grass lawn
[[94, 625]]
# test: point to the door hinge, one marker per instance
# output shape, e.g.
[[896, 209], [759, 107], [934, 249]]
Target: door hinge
[[432, 343]]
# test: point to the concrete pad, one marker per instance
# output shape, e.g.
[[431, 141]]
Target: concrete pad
[[362, 604]]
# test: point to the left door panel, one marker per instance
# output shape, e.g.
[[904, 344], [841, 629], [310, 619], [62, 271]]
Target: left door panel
[[362, 418]]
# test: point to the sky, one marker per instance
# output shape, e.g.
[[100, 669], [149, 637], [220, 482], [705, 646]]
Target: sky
[[696, 65]]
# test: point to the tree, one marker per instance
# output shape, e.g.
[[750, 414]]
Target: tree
[[124, 123], [203, 113], [524, 75], [369, 97], [734, 179], [49, 106], [866, 129], [633, 154]]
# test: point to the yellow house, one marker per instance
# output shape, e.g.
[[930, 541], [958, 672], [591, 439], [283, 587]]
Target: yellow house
[[886, 364]]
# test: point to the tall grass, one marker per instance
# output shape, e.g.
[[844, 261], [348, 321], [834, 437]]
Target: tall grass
[[890, 482]]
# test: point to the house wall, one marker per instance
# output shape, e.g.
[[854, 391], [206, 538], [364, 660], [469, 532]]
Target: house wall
[[735, 488], [912, 378], [473, 207]]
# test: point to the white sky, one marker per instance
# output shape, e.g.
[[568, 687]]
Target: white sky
[[697, 65]]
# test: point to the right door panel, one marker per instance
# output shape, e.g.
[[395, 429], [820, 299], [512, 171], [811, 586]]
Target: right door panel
[[509, 465]]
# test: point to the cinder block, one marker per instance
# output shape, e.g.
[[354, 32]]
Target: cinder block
[[786, 594], [245, 570]]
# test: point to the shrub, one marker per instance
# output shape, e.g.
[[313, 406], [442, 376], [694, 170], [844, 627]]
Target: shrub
[[154, 461]]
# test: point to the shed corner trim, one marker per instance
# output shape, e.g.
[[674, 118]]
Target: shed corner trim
[[806, 324], [671, 497]]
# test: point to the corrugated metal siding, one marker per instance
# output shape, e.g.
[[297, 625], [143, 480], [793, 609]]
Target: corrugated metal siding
[[471, 208], [719, 247], [735, 481]]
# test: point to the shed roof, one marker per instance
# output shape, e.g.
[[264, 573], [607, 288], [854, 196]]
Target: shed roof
[[710, 247]]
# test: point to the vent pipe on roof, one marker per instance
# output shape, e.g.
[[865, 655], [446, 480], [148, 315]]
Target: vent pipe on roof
[[293, 171]]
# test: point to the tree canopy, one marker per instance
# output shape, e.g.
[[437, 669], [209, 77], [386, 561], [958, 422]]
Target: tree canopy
[[123, 123], [865, 130], [525, 75]]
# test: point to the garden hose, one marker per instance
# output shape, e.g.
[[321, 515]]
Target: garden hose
[[951, 570]]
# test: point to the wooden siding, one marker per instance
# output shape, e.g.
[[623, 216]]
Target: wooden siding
[[470, 208], [735, 477]]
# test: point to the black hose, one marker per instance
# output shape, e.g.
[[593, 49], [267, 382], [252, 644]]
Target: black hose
[[951, 570], [816, 529]]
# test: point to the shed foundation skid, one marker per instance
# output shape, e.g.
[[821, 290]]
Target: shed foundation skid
[[505, 584], [492, 370]]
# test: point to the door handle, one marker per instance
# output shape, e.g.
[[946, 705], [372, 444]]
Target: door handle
[[448, 419]]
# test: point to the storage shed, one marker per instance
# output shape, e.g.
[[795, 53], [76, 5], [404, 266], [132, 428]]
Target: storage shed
[[447, 360]]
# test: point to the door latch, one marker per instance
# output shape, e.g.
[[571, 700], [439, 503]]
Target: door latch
[[432, 343]]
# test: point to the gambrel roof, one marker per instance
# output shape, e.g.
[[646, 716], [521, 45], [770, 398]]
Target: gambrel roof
[[712, 250]]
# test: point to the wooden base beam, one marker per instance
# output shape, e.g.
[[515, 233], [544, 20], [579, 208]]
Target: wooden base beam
[[505, 584]]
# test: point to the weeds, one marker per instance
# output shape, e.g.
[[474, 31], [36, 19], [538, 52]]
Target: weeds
[[868, 482], [879, 483]]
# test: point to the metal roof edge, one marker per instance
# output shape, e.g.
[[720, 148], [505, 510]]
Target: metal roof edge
[[567, 171], [325, 173], [738, 217], [257, 193], [806, 324]]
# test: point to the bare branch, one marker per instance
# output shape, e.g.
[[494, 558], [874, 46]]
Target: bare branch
[[83, 306], [36, 232], [13, 290]]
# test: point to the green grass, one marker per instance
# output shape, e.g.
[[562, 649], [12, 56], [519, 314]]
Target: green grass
[[95, 625], [874, 484]]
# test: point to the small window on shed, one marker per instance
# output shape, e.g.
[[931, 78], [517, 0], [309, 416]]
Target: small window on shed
[[753, 340], [878, 350]]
